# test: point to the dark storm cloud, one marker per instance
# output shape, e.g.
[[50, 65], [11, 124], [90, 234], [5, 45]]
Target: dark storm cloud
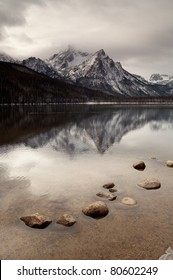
[[137, 33], [12, 12]]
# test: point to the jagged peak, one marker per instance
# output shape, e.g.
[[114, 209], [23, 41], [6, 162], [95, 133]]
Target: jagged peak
[[31, 58], [70, 50], [101, 52]]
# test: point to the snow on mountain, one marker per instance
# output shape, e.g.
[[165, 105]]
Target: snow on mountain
[[162, 79], [40, 66], [100, 72], [97, 72], [6, 58], [67, 59]]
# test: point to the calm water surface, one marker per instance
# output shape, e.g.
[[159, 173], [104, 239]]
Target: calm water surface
[[53, 160]]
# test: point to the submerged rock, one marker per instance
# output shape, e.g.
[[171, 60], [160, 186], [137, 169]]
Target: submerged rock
[[150, 184], [112, 190], [108, 185], [106, 195], [140, 165], [128, 201], [97, 209], [169, 163], [36, 221], [66, 220]]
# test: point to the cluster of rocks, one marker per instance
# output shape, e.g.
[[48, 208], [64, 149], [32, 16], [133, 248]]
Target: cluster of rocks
[[150, 184], [97, 209], [40, 221], [140, 165]]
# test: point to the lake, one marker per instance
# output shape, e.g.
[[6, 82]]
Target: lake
[[54, 159]]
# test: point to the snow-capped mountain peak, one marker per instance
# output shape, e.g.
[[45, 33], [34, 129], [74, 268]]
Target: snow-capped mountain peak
[[67, 59], [160, 79], [100, 72], [97, 71]]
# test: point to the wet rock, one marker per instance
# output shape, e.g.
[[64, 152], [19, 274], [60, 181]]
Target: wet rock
[[112, 190], [139, 165], [108, 185], [128, 201], [106, 195], [169, 163], [66, 220], [36, 221], [97, 209], [150, 184]]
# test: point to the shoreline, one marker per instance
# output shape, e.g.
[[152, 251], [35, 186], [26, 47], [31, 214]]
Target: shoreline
[[90, 103]]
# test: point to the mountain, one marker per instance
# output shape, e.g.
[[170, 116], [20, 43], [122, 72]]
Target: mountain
[[40, 66], [163, 83], [162, 79], [19, 84], [64, 61], [99, 73], [6, 58]]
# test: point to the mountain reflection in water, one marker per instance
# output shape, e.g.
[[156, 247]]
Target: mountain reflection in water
[[76, 129], [55, 159]]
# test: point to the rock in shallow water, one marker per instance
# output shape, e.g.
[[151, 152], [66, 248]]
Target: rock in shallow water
[[112, 190], [66, 220], [128, 201], [169, 163], [150, 184], [97, 209], [36, 221], [106, 195], [108, 185], [139, 165]]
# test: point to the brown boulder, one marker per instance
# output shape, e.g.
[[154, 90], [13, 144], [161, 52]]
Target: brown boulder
[[150, 184], [106, 195], [112, 190], [66, 220], [97, 209], [139, 165], [169, 163], [36, 221], [108, 185]]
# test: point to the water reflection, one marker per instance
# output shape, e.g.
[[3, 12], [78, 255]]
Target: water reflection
[[53, 160], [80, 128]]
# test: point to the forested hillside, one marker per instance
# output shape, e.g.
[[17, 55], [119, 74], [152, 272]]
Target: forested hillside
[[19, 84]]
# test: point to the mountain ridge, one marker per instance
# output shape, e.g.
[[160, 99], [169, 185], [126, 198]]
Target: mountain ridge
[[97, 71]]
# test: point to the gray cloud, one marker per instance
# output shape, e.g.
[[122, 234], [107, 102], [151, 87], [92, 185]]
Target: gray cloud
[[12, 12], [137, 33]]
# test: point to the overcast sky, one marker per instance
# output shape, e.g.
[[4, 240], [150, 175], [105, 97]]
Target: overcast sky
[[137, 33]]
